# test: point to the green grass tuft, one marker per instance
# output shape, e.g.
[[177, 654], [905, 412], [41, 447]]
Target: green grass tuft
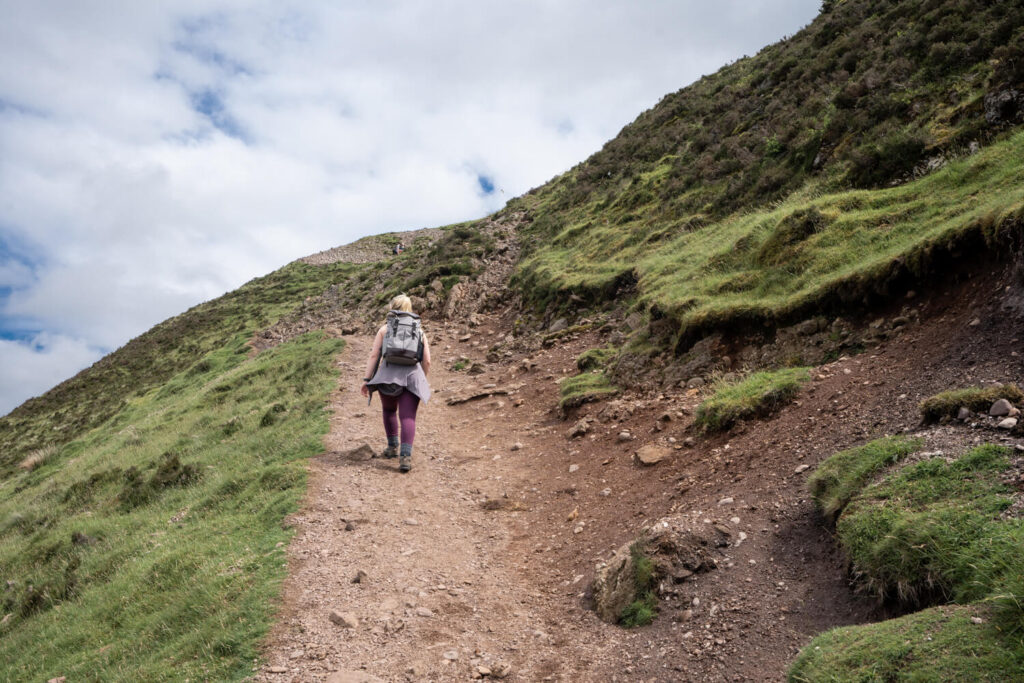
[[583, 388], [947, 403], [759, 395], [593, 359], [843, 475], [641, 611], [933, 530]]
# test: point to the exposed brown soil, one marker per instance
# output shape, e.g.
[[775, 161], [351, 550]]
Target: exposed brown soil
[[480, 534]]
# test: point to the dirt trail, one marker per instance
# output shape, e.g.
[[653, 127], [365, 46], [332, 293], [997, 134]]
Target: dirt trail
[[442, 594], [482, 555]]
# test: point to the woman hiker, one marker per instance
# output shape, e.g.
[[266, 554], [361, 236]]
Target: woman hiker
[[401, 388]]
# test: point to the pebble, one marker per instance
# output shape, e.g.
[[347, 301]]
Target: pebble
[[360, 577], [517, 446], [424, 612], [734, 520], [573, 468], [1008, 423], [605, 492], [625, 436], [451, 655], [278, 670], [977, 620], [411, 522], [726, 501], [801, 468]]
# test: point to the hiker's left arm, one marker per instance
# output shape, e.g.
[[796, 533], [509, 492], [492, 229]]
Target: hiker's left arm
[[426, 356]]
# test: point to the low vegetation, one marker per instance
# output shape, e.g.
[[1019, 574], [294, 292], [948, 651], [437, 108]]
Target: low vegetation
[[937, 644], [641, 611], [164, 526], [932, 530], [842, 476], [828, 171], [759, 395], [926, 533], [977, 399], [583, 388]]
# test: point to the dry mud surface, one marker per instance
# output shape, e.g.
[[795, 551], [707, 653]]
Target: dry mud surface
[[471, 560]]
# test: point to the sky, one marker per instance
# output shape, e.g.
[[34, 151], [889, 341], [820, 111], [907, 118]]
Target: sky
[[154, 155]]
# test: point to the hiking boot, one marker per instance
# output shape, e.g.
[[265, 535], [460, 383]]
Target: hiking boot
[[404, 463], [390, 452]]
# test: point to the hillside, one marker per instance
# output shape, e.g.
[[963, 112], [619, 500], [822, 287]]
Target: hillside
[[688, 369]]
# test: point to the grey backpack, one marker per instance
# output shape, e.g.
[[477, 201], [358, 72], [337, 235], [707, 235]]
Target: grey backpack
[[403, 339]]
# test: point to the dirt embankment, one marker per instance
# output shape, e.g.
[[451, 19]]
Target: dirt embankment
[[478, 563]]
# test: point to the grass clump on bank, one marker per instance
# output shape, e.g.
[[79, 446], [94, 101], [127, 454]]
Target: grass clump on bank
[[977, 399], [163, 525], [644, 608], [759, 395], [933, 530], [583, 388], [937, 644], [592, 384], [928, 533], [839, 478]]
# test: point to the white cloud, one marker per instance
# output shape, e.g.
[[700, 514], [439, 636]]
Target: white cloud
[[154, 155], [30, 368]]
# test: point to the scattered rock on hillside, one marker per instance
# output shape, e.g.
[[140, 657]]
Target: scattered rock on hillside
[[1008, 423], [677, 547], [1000, 408], [1003, 107], [579, 429], [558, 325], [652, 454], [963, 414]]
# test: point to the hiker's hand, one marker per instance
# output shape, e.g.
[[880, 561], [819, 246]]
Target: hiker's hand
[[365, 390]]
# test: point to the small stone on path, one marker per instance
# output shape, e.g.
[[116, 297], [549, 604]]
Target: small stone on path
[[1000, 408], [344, 619], [726, 501], [1008, 423], [424, 612]]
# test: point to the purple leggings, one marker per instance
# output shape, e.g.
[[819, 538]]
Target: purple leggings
[[405, 404]]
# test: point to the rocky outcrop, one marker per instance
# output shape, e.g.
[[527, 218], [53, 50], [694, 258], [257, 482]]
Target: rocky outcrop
[[677, 548]]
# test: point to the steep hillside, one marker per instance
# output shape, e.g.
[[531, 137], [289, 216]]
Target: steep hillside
[[857, 186], [825, 172]]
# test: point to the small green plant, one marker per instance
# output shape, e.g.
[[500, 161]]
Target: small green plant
[[596, 358], [946, 404], [759, 395], [641, 611], [460, 365], [583, 388]]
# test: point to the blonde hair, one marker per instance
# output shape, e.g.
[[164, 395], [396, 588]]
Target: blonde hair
[[401, 303]]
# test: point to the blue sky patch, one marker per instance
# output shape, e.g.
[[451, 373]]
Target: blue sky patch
[[209, 104], [486, 183]]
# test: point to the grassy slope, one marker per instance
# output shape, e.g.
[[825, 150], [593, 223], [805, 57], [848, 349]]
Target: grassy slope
[[93, 396], [161, 526], [678, 206]]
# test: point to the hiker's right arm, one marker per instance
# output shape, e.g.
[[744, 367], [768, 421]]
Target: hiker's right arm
[[371, 361]]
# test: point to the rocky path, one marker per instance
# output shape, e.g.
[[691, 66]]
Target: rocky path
[[398, 577]]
